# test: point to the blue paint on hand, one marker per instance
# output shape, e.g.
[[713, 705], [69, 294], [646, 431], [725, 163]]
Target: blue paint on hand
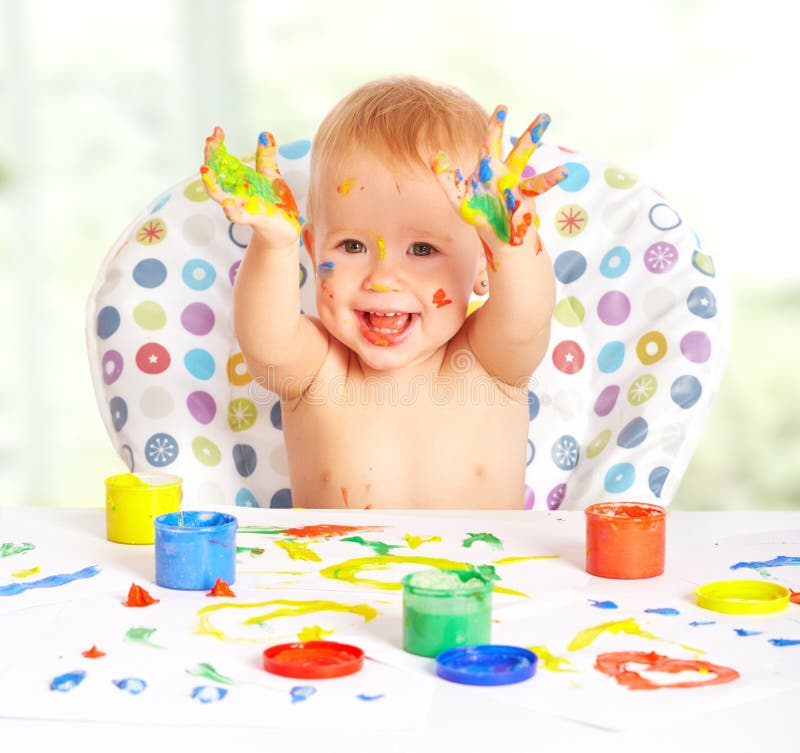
[[667, 611], [485, 170], [69, 680]]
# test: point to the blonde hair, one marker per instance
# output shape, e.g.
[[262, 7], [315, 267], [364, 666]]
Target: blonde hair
[[402, 121]]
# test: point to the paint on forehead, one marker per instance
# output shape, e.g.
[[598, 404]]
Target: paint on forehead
[[440, 298], [381, 248], [345, 186]]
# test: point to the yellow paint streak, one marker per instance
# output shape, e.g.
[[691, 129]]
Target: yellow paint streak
[[289, 608], [313, 633], [415, 541], [345, 186], [298, 550], [509, 180], [25, 573], [347, 571], [378, 288], [629, 626], [512, 560], [381, 248], [552, 663]]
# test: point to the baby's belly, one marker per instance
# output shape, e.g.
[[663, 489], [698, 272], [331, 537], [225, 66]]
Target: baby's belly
[[426, 459]]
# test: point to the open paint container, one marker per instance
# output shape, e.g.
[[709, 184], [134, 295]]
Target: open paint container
[[625, 539], [193, 549], [443, 609], [135, 500]]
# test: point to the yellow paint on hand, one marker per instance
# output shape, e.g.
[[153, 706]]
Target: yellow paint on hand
[[290, 608], [415, 541], [552, 663], [381, 248], [25, 573], [512, 560], [313, 633], [298, 550]]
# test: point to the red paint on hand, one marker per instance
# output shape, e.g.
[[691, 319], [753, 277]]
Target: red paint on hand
[[93, 653], [221, 588], [138, 597]]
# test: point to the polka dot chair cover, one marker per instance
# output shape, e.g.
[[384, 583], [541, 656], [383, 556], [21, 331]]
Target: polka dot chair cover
[[616, 408]]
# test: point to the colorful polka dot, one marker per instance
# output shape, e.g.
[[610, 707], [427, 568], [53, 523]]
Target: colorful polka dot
[[119, 413], [633, 433], [156, 402], [152, 358], [240, 234], [244, 458], [294, 149], [685, 391], [571, 220], [237, 372], [657, 479], [150, 315], [161, 449], [598, 444], [618, 178], [696, 346], [568, 357], [701, 302], [577, 179], [531, 453], [565, 452], [606, 400], [619, 478], [651, 347], [198, 318], [196, 191], [664, 217], [569, 312], [703, 263], [242, 414], [275, 417], [615, 262], [149, 273], [152, 232], [108, 321], [611, 357], [281, 499], [533, 405], [206, 451], [614, 308], [199, 363], [201, 406], [246, 498], [660, 257], [556, 496], [569, 266], [198, 274], [642, 389]]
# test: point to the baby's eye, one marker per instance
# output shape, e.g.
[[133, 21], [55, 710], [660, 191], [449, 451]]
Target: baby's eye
[[353, 247], [422, 249]]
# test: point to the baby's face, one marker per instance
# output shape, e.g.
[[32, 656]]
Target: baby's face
[[395, 263]]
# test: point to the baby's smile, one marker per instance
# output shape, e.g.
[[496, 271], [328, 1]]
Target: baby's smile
[[386, 328]]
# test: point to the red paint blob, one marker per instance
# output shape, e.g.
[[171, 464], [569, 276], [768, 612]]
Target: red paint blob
[[614, 664], [440, 298], [138, 597], [325, 531], [93, 653], [221, 588]]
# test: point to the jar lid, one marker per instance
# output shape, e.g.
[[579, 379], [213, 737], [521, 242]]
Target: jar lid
[[313, 659], [486, 665], [743, 596]]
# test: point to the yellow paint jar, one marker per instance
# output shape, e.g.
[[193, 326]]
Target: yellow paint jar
[[134, 500]]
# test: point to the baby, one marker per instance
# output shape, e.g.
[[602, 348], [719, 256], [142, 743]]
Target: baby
[[395, 397]]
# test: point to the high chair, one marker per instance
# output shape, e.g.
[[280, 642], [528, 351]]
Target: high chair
[[616, 408]]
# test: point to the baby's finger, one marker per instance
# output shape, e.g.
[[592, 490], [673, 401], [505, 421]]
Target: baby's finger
[[450, 178], [538, 184], [213, 143], [493, 141], [236, 211], [212, 187], [265, 156], [527, 143]]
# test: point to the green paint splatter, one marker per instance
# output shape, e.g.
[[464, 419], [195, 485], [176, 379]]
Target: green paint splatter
[[141, 635], [378, 547], [238, 179], [209, 673], [270, 531], [255, 551], [9, 548], [486, 538], [492, 209]]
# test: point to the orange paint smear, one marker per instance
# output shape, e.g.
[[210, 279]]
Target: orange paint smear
[[344, 497], [326, 531], [627, 510], [221, 588], [795, 597], [93, 653], [614, 664], [489, 256], [440, 298], [138, 597]]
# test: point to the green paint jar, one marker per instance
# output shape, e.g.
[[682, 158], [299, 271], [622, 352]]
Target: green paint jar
[[445, 608]]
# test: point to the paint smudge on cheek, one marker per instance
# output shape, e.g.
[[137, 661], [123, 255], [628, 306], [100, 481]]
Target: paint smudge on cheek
[[69, 680], [344, 497], [345, 186], [132, 685], [486, 538], [298, 550], [208, 693], [300, 693], [614, 664], [552, 663], [440, 298]]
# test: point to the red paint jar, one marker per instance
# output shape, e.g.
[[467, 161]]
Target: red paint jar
[[625, 539]]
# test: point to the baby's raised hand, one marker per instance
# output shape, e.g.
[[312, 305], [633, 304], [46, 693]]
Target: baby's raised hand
[[257, 197], [495, 198]]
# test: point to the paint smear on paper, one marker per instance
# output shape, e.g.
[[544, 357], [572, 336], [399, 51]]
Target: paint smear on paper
[[702, 624], [550, 662], [141, 635], [629, 626], [53, 581], [298, 550], [93, 653], [132, 685], [781, 561], [139, 597], [784, 642], [9, 549], [603, 604], [415, 541], [367, 697], [486, 538], [326, 531], [744, 633], [208, 693], [283, 608], [302, 692], [514, 560], [666, 611], [314, 633], [26, 573], [377, 546], [69, 680], [614, 664], [267, 530], [345, 186], [255, 551], [207, 672], [348, 570]]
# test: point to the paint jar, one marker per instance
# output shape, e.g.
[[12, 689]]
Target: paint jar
[[135, 500], [193, 549], [443, 609], [625, 539]]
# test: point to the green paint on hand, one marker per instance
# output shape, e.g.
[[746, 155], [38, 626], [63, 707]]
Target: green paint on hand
[[238, 179], [493, 212], [209, 673], [486, 538], [9, 548], [378, 547], [141, 635]]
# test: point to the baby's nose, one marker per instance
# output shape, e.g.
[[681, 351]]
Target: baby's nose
[[384, 271]]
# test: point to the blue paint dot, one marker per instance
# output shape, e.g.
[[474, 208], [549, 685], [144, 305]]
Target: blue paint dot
[[746, 633], [533, 405], [666, 611], [686, 391], [295, 149], [578, 177], [531, 452], [246, 498], [281, 499], [161, 449], [702, 624], [565, 452], [657, 478], [603, 604], [611, 356], [619, 478], [119, 412], [511, 202], [569, 266], [244, 458], [633, 434], [784, 642], [199, 363], [198, 274], [132, 685], [615, 262], [149, 273], [108, 320], [301, 692], [208, 693], [367, 697], [275, 416], [701, 302], [501, 115], [69, 680], [484, 170]]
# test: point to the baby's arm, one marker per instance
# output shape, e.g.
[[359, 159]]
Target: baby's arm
[[282, 347], [510, 333]]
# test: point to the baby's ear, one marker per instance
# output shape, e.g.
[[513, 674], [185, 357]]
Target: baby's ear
[[308, 241]]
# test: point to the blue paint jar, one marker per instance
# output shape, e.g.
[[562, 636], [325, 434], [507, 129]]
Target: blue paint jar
[[193, 549]]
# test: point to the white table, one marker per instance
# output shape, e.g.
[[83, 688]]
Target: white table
[[456, 722]]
